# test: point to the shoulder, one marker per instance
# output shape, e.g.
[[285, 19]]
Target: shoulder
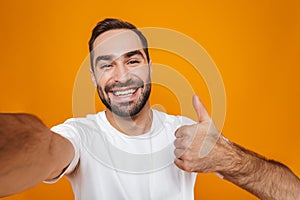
[[172, 119], [79, 125]]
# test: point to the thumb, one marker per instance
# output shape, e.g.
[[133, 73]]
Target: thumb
[[202, 114]]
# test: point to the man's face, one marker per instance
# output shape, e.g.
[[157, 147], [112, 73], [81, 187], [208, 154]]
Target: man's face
[[121, 72]]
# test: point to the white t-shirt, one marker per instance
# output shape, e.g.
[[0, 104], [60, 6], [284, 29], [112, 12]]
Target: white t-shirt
[[110, 165]]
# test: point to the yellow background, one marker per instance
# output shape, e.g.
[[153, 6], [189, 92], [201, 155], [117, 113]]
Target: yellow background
[[255, 44]]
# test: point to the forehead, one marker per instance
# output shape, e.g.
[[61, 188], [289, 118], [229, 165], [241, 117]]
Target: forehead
[[116, 42]]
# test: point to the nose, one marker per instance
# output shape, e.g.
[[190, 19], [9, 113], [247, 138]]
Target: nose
[[121, 73]]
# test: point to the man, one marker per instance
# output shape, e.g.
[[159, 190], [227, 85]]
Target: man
[[125, 151]]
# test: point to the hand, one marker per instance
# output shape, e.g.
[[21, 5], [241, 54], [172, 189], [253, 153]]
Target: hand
[[194, 143]]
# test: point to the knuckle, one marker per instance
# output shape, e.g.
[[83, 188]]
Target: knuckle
[[192, 156], [182, 156], [184, 129], [176, 142], [188, 144], [187, 167], [187, 157], [179, 129], [183, 144], [178, 153]]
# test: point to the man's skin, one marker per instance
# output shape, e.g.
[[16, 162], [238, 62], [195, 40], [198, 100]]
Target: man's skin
[[119, 70], [31, 153], [266, 179]]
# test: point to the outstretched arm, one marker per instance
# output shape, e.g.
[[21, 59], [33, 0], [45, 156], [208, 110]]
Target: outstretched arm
[[29, 153], [264, 178]]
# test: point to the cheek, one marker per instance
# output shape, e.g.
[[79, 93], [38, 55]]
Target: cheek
[[101, 80], [141, 72]]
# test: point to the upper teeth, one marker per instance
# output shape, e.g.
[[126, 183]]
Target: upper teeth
[[124, 92]]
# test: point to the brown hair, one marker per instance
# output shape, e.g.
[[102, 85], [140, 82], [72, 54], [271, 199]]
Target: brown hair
[[110, 24]]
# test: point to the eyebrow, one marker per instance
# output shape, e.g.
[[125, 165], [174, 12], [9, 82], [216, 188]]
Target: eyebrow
[[133, 53], [105, 57], [126, 55]]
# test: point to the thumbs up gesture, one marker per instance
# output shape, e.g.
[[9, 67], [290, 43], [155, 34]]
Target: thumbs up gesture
[[195, 144]]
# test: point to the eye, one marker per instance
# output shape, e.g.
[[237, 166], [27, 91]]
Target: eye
[[105, 66], [132, 62]]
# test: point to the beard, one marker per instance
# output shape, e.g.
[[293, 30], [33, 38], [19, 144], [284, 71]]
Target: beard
[[130, 108]]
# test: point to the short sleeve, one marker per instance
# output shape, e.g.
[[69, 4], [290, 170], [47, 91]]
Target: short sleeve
[[68, 131]]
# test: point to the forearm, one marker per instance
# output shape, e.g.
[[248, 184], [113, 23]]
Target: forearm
[[264, 178], [24, 143]]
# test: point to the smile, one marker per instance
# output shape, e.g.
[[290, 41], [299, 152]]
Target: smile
[[124, 92]]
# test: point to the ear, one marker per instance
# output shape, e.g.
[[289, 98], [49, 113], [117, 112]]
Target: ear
[[93, 77]]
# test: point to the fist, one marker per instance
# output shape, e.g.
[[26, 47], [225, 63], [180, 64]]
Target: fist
[[194, 143]]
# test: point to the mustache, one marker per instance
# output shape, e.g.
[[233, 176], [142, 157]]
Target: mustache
[[136, 83]]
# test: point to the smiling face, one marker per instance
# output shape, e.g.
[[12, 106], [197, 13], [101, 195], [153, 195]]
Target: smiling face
[[121, 72]]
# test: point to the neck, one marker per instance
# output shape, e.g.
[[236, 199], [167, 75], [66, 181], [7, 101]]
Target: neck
[[132, 126]]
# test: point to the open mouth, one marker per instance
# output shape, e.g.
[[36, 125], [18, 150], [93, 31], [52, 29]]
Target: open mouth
[[126, 92]]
